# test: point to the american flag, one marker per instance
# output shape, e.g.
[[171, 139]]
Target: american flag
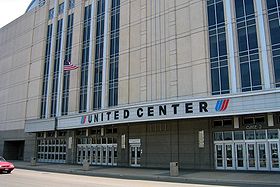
[[69, 66]]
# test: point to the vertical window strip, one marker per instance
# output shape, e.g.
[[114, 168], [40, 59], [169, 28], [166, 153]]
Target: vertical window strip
[[85, 59], [98, 65], [218, 47], [46, 72], [248, 45], [56, 68], [66, 74], [114, 53], [273, 9]]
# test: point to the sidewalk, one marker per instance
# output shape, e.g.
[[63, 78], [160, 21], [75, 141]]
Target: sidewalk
[[189, 176]]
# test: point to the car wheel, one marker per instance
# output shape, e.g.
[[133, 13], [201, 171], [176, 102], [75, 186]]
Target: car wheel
[[8, 171]]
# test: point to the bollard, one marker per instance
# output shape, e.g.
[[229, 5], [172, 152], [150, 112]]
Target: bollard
[[174, 169], [85, 165], [33, 161]]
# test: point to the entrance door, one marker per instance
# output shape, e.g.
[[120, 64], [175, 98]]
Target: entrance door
[[98, 155], [251, 156], [104, 155], [229, 162], [219, 156], [240, 156], [93, 155], [135, 155], [274, 156], [262, 156], [110, 155]]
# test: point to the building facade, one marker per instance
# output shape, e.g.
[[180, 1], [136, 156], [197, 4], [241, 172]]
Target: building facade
[[188, 81]]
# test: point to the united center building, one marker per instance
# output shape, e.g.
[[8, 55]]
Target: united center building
[[188, 81]]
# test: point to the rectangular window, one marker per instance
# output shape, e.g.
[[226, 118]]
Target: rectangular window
[[98, 65], [85, 60], [71, 4], [46, 73], [66, 74], [61, 8], [56, 68], [114, 53], [218, 47], [273, 9], [248, 45], [51, 14]]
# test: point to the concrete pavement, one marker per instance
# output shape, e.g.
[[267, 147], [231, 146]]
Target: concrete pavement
[[190, 176]]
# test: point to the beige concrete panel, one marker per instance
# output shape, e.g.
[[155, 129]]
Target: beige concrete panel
[[135, 37], [13, 125], [181, 2], [124, 14], [18, 75], [185, 82], [124, 39], [16, 111], [124, 65], [134, 91], [34, 89], [123, 92], [40, 33], [36, 70], [41, 15], [198, 44], [196, 14], [23, 41], [200, 83], [7, 63], [184, 50], [135, 7], [33, 108], [21, 58], [135, 63], [183, 20], [17, 93], [4, 96], [3, 112], [25, 23]]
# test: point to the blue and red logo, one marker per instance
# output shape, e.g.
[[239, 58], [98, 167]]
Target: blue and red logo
[[222, 105], [83, 119]]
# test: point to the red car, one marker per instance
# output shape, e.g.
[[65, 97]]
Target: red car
[[5, 166]]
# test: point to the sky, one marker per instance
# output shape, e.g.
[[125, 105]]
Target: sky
[[12, 9]]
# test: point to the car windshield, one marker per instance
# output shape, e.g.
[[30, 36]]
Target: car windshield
[[2, 159]]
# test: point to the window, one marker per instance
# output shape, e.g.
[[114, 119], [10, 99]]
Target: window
[[81, 132], [71, 4], [248, 45], [66, 74], [272, 134], [228, 135], [253, 120], [114, 53], [56, 70], [273, 8], [44, 98], [260, 134], [85, 60], [250, 135], [223, 123], [61, 8], [51, 14], [218, 136], [61, 133], [238, 135], [98, 65], [218, 47]]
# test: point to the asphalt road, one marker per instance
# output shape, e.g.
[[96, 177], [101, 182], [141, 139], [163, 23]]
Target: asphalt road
[[29, 178]]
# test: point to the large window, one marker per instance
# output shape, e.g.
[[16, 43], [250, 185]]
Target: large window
[[114, 53], [56, 68], [218, 47], [66, 74], [273, 8], [85, 60], [46, 73], [98, 65], [248, 45]]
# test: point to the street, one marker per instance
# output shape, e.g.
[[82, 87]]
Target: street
[[28, 178]]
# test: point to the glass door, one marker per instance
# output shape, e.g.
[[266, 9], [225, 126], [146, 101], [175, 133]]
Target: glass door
[[104, 155], [274, 156], [262, 156], [115, 155], [229, 162], [93, 155], [251, 156], [135, 155], [219, 156], [240, 156], [110, 155], [98, 155]]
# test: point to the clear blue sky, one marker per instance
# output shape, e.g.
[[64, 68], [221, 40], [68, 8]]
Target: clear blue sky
[[12, 9]]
